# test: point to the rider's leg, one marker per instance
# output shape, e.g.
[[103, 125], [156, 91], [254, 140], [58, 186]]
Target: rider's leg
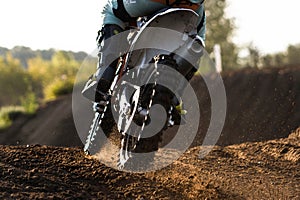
[[109, 52], [108, 58], [194, 56]]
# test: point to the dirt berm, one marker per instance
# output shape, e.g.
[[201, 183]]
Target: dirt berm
[[257, 156], [261, 105]]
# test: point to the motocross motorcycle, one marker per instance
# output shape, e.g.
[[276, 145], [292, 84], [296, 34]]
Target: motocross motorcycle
[[163, 53]]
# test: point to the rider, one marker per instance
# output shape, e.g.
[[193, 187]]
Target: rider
[[119, 14]]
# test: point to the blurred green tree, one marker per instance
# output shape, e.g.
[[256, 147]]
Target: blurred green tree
[[267, 61], [57, 75], [15, 82], [220, 31], [254, 56], [293, 54]]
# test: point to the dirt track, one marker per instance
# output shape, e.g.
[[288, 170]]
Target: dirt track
[[257, 157], [248, 171]]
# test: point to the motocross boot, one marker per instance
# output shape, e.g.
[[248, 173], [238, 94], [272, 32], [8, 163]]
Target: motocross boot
[[179, 112], [180, 116], [98, 85]]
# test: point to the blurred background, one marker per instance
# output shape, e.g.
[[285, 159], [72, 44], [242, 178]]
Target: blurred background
[[43, 43]]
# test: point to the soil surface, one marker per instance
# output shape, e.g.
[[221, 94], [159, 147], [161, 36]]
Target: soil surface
[[256, 157]]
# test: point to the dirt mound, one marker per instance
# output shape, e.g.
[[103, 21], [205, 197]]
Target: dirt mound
[[51, 125], [247, 171], [285, 149], [257, 157], [261, 105]]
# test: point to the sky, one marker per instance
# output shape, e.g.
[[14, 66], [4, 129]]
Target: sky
[[72, 25], [271, 25]]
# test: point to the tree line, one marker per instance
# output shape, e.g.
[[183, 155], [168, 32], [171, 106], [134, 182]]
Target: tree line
[[23, 54], [288, 57], [40, 79], [220, 30]]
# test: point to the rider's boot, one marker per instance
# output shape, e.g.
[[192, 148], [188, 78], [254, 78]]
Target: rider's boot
[[179, 111], [97, 87]]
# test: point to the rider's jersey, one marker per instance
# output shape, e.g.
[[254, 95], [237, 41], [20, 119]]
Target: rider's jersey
[[121, 11]]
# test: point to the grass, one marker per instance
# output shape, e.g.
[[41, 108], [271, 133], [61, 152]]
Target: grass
[[8, 114], [58, 87]]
